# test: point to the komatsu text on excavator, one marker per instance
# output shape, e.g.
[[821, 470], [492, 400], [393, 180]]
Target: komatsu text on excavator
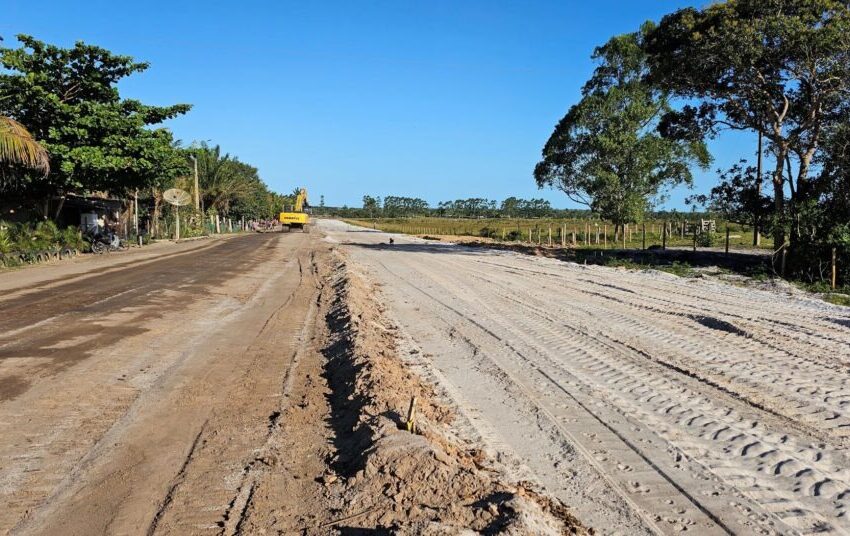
[[297, 217]]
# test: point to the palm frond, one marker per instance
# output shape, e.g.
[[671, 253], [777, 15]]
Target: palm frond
[[17, 146]]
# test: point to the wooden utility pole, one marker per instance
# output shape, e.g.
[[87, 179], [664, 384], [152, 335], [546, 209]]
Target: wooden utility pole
[[757, 223], [136, 211], [197, 190]]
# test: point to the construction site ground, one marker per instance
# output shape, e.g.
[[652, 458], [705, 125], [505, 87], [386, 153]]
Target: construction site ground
[[260, 384]]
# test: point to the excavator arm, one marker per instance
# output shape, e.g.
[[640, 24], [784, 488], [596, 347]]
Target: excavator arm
[[300, 200]]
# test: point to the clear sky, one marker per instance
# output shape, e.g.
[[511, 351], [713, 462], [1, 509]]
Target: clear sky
[[432, 99]]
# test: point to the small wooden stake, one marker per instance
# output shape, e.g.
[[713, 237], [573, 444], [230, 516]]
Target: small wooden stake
[[411, 413]]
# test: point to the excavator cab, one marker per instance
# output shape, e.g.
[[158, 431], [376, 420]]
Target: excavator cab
[[297, 217]]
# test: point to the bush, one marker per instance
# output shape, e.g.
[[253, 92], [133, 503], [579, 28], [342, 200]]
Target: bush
[[705, 239], [44, 236]]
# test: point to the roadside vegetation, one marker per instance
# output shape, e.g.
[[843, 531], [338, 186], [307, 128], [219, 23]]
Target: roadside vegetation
[[66, 132]]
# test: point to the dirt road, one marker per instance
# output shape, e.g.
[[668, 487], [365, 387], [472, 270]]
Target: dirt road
[[135, 394], [649, 403]]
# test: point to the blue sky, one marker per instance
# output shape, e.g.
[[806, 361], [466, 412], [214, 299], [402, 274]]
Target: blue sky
[[437, 99]]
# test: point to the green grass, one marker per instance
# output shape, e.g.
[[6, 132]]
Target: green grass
[[837, 299], [537, 231]]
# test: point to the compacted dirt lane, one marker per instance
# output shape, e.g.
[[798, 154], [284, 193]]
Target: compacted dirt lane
[[118, 387], [649, 403]]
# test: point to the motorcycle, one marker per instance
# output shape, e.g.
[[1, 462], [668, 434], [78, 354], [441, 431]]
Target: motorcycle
[[102, 242]]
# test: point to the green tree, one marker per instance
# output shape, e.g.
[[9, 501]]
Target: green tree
[[371, 205], [779, 67], [606, 152], [737, 197], [68, 99]]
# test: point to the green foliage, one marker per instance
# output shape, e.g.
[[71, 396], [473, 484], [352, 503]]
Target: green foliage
[[395, 206], [18, 148], [606, 152], [43, 236], [68, 99], [737, 197], [779, 67], [233, 188]]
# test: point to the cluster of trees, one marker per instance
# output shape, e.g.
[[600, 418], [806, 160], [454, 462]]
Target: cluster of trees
[[64, 128], [474, 207], [777, 68]]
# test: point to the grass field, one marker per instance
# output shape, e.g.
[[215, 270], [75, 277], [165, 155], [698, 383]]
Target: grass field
[[580, 233]]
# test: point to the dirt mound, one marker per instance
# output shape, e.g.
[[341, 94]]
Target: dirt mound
[[408, 483]]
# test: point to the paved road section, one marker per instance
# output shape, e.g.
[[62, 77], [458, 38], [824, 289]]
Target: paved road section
[[120, 383], [649, 403]]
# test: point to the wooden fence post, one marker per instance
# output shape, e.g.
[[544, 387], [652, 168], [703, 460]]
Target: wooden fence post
[[605, 236], [695, 237], [727, 239], [643, 242], [784, 257], [550, 235], [834, 268], [664, 236]]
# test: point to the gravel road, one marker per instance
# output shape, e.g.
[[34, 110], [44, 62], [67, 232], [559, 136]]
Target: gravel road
[[649, 403]]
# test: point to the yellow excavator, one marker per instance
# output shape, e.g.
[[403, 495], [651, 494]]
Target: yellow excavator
[[297, 217]]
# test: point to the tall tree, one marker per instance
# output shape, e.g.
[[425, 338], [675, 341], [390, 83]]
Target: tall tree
[[68, 99], [779, 67], [606, 152]]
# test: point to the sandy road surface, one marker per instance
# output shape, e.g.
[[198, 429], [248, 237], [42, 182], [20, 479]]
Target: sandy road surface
[[134, 396], [647, 402]]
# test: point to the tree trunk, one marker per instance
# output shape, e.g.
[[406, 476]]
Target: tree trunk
[[156, 203], [779, 198], [59, 208]]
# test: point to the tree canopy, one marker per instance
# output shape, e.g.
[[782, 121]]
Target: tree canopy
[[68, 99], [606, 152], [779, 67]]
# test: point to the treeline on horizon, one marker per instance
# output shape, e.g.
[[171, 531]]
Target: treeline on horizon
[[478, 208]]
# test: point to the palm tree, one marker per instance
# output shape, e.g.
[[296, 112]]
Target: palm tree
[[18, 147]]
